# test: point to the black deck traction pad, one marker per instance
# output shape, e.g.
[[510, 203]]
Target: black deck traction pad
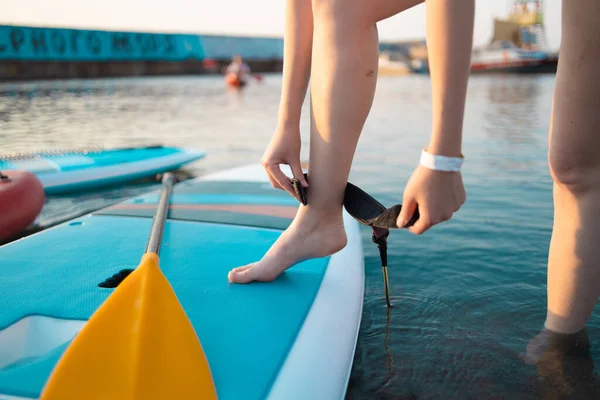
[[212, 216]]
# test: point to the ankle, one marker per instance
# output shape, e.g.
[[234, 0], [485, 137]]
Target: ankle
[[321, 217], [562, 325], [323, 233]]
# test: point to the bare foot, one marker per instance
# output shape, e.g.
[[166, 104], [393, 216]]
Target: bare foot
[[309, 236], [564, 364]]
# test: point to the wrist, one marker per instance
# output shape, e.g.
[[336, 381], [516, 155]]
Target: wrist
[[289, 114], [438, 162], [286, 123], [441, 148]]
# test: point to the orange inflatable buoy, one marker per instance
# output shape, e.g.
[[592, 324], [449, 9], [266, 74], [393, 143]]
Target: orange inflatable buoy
[[22, 198], [234, 80]]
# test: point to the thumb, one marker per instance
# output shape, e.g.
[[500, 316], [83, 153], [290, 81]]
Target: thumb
[[407, 211], [298, 173]]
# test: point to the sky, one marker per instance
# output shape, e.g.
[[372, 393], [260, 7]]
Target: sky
[[235, 17]]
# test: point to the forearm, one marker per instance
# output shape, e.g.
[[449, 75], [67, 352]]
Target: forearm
[[449, 45], [297, 53]]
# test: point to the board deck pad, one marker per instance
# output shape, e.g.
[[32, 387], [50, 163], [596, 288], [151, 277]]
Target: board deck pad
[[230, 202], [246, 330]]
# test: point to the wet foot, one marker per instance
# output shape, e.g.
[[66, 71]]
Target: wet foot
[[309, 236], [548, 344], [564, 364]]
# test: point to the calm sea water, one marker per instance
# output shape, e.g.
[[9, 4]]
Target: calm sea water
[[468, 296]]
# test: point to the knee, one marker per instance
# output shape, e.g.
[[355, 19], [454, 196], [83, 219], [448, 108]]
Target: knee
[[339, 12], [327, 8], [574, 171]]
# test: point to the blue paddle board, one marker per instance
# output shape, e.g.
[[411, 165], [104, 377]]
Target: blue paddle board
[[293, 338], [70, 171]]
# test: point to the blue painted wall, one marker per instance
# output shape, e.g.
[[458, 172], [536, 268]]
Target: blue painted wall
[[51, 44]]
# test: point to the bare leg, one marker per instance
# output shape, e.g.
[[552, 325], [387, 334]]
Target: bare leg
[[574, 259], [297, 52], [343, 80]]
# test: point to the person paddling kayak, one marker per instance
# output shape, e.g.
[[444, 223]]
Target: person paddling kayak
[[237, 72]]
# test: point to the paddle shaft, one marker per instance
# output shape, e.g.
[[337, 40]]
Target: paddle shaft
[[158, 222]]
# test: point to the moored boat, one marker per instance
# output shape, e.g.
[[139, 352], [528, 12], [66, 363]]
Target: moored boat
[[518, 44], [504, 56]]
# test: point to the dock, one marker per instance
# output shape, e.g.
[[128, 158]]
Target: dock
[[28, 53]]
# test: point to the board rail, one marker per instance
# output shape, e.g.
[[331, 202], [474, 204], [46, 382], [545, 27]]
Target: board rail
[[78, 150]]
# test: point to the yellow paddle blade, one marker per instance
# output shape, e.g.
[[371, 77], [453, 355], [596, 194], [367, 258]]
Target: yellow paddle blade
[[138, 345]]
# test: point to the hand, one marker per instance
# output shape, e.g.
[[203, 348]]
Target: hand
[[438, 194], [284, 148]]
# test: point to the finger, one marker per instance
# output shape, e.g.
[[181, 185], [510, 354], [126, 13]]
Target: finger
[[271, 179], [421, 226], [445, 217], [406, 213], [460, 199], [274, 182], [298, 173], [281, 178], [458, 206], [459, 193]]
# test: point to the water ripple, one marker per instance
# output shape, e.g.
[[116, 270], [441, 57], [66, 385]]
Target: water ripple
[[468, 295]]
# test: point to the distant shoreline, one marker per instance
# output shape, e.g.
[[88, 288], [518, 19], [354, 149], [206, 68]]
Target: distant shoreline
[[59, 53]]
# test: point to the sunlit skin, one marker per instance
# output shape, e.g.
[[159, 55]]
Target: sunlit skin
[[337, 40]]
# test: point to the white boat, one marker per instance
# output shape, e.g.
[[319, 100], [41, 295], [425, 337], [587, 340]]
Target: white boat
[[392, 64], [505, 56]]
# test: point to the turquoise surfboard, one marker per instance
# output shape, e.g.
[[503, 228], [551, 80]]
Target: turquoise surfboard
[[82, 169]]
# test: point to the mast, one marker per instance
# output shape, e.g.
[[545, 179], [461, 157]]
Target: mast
[[528, 17]]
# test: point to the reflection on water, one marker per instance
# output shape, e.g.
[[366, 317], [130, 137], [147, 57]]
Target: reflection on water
[[513, 111], [468, 296]]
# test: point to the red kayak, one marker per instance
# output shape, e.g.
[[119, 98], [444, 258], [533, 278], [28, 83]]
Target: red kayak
[[22, 198]]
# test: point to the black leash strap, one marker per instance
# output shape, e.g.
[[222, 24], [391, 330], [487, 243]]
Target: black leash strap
[[379, 237], [368, 211]]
